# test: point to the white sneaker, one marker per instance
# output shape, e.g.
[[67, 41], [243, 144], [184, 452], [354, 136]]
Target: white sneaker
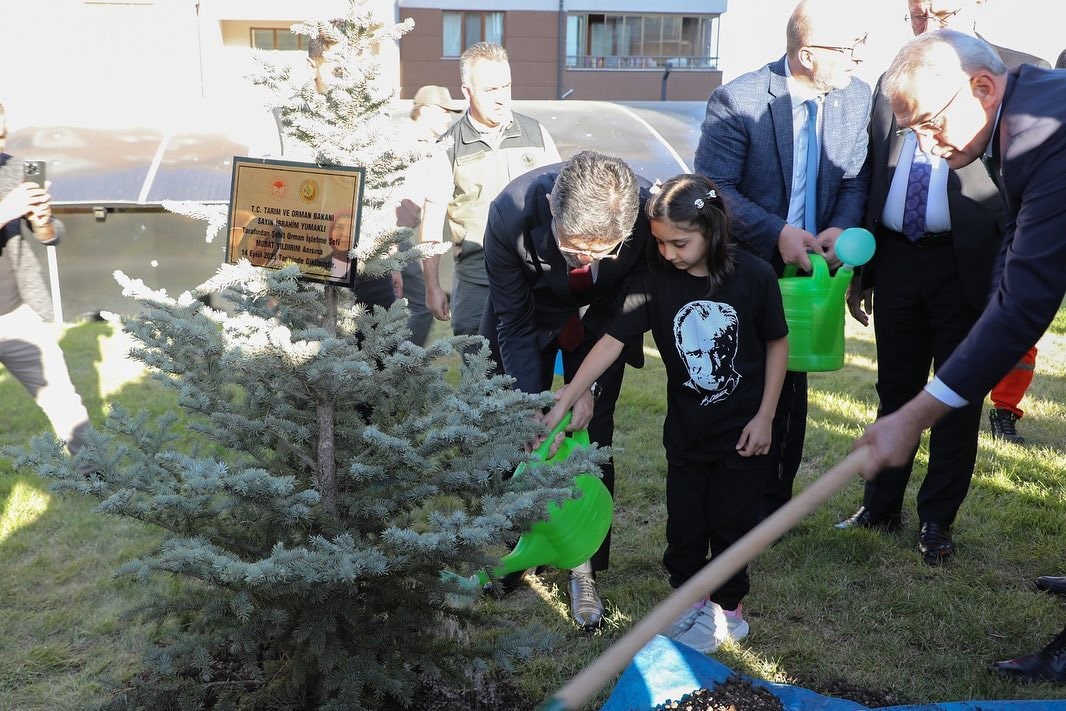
[[736, 624], [708, 630], [683, 623]]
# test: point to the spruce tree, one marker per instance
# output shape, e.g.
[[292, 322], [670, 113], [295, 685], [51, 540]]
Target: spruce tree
[[328, 487]]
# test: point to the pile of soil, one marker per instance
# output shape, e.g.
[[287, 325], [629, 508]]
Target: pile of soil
[[871, 698], [734, 694]]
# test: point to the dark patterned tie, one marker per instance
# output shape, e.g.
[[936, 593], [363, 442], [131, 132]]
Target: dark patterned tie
[[917, 196], [810, 198]]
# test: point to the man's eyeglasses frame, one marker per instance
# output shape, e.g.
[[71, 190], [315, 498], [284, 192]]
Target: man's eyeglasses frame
[[849, 51]]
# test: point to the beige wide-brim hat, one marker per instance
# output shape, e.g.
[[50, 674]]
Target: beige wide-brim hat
[[433, 95]]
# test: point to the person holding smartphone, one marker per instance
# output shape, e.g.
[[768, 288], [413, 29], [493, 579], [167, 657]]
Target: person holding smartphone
[[28, 348]]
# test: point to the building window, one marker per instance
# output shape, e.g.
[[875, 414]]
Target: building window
[[277, 38], [462, 29], [595, 40]]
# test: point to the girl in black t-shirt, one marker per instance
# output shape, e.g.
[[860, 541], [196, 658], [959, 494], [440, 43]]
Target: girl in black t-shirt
[[717, 319]]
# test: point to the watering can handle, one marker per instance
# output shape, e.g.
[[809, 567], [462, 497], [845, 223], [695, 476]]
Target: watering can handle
[[819, 269], [544, 449]]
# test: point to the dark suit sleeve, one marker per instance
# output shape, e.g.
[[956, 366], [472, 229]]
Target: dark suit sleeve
[[512, 300], [723, 151], [1031, 288]]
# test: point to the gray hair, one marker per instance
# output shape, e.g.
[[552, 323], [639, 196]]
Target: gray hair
[[596, 197], [931, 54], [480, 52]]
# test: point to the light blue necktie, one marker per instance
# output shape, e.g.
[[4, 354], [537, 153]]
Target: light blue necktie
[[810, 200]]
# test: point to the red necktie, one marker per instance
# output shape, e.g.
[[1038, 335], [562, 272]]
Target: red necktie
[[580, 279], [574, 332]]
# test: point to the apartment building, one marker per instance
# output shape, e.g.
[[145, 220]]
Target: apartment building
[[583, 49]]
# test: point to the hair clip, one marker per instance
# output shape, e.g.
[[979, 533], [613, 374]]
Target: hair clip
[[699, 203], [712, 194], [656, 187]]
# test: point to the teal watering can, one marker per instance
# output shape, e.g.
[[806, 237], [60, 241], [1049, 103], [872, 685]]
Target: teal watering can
[[814, 305]]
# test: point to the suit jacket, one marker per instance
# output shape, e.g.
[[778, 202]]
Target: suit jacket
[[746, 145], [978, 220], [1028, 162], [529, 294]]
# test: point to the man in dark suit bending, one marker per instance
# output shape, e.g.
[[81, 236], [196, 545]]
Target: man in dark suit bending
[[559, 241], [954, 92], [930, 278]]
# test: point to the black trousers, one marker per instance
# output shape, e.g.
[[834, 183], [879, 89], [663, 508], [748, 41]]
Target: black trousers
[[920, 315], [789, 431], [710, 506]]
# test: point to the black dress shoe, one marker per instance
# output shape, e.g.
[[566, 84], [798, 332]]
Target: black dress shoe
[[863, 518], [1052, 584], [935, 544], [1049, 664]]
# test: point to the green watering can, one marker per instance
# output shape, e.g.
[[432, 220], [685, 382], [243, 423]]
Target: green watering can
[[572, 532], [814, 305]]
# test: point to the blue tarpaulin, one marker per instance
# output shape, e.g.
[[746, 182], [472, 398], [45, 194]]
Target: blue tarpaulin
[[667, 670]]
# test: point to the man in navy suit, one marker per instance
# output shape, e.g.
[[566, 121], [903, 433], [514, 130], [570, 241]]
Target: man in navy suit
[[559, 241], [954, 92], [931, 279], [753, 144]]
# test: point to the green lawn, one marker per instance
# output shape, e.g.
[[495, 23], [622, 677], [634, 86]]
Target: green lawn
[[829, 610]]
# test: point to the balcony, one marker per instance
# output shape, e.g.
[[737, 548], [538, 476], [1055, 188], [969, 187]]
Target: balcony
[[619, 62]]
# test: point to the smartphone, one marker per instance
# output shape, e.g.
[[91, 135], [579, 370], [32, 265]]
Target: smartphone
[[33, 171]]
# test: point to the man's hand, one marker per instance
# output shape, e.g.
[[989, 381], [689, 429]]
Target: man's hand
[[29, 200], [794, 244], [826, 246], [860, 303], [397, 284], [894, 438], [437, 302]]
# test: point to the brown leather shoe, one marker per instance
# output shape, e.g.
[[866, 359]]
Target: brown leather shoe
[[935, 544], [1048, 664], [1052, 584], [863, 518]]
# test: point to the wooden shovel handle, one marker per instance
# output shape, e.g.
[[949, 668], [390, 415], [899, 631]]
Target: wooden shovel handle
[[585, 685]]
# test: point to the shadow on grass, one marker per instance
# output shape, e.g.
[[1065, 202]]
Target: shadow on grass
[[66, 639]]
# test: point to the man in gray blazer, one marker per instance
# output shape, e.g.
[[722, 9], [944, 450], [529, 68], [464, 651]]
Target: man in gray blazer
[[753, 145]]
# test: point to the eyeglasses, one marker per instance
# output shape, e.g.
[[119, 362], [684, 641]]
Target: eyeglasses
[[935, 123], [849, 51], [941, 18], [606, 254]]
